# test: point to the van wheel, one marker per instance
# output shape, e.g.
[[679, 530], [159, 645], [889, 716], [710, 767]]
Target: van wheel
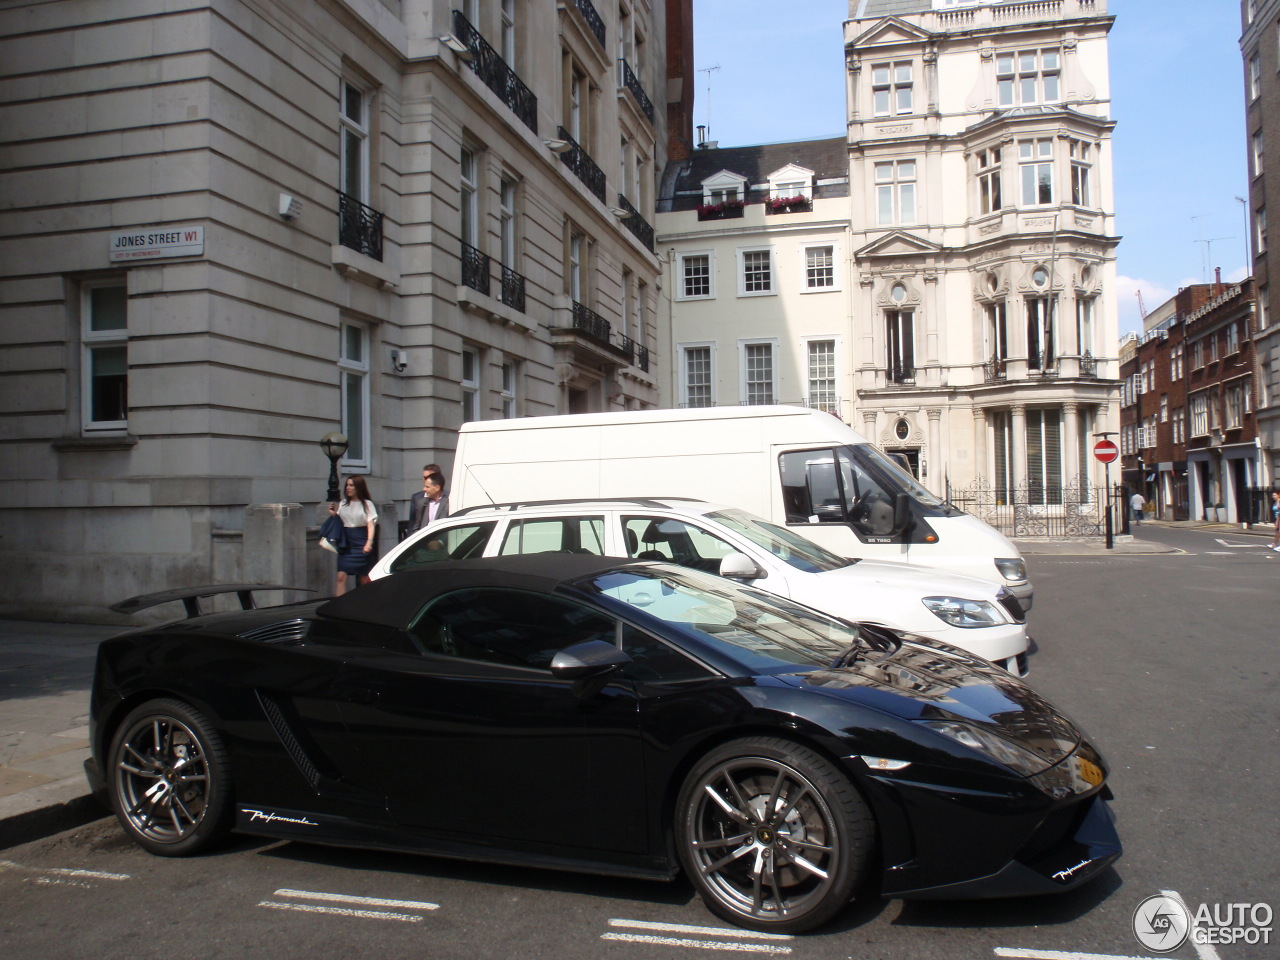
[[773, 836]]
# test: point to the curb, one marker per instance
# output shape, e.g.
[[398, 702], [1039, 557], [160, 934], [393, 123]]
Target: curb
[[45, 821]]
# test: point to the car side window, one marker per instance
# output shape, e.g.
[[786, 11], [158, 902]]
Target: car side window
[[555, 535], [661, 538], [455, 543], [653, 661], [514, 628]]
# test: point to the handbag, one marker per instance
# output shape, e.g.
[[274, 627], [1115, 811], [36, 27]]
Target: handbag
[[333, 535]]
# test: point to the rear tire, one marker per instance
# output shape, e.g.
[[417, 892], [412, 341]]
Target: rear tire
[[772, 835], [169, 779]]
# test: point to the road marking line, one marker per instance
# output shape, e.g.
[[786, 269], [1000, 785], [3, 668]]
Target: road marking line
[[705, 931], [363, 901], [1247, 546], [341, 911], [1059, 955], [1204, 950], [64, 871], [696, 944]]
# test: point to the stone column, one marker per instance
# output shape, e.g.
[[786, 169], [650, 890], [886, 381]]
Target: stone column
[[982, 468], [274, 549], [1018, 455], [1071, 466], [935, 450]]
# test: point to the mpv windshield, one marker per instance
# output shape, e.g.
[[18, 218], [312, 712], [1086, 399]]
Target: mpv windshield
[[782, 543]]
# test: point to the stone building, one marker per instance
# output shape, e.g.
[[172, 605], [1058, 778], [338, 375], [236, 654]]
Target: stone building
[[969, 312], [231, 227]]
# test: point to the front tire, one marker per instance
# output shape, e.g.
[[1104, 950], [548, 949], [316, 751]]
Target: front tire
[[774, 837], [169, 779]]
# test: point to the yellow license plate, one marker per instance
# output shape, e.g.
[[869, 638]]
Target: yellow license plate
[[1090, 771]]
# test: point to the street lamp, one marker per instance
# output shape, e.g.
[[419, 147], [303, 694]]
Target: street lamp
[[334, 446]]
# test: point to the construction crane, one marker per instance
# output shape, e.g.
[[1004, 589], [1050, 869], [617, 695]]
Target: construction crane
[[1142, 307]]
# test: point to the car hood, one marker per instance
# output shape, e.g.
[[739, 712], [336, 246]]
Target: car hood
[[909, 578], [928, 680]]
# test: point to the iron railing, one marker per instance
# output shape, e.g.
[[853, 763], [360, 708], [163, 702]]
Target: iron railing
[[642, 357], [592, 17], [359, 226], [1089, 366], [1050, 510], [496, 74], [632, 83], [583, 167], [993, 371], [512, 289], [589, 323], [637, 224], [901, 373], [475, 269]]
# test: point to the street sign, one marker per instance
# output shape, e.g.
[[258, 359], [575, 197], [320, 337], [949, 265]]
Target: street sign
[[1106, 451]]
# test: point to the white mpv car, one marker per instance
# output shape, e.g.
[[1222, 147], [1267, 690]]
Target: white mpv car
[[966, 612]]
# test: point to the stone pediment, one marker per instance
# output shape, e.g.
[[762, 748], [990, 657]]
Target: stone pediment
[[889, 31], [898, 244]]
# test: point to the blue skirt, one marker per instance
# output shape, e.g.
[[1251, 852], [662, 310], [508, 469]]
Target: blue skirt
[[353, 560]]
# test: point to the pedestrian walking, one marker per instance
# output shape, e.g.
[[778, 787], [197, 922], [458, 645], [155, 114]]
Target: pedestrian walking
[[1275, 517], [429, 503], [359, 521], [1136, 503]]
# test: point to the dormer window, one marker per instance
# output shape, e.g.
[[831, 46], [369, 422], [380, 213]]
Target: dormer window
[[724, 187], [790, 182]]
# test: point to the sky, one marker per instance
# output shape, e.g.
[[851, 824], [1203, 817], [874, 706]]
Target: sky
[[767, 72]]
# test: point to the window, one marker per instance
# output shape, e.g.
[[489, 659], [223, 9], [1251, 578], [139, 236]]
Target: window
[[989, 182], [663, 538], [1264, 306], [1027, 77], [470, 384], [1179, 419], [1081, 165], [637, 311], [755, 272], [507, 32], [1175, 362], [697, 383], [353, 368], [575, 95], [819, 268], [1256, 141], [455, 543], [900, 346], [895, 192], [1213, 346], [1197, 354], [1164, 408], [1084, 325], [104, 386], [695, 276], [1233, 339], [1260, 230], [757, 373], [512, 628], [577, 250], [507, 222], [1255, 77], [891, 88], [1044, 456], [555, 535], [354, 151], [510, 377], [997, 332], [1199, 415], [1035, 159], [624, 306], [467, 197], [1041, 352], [822, 375]]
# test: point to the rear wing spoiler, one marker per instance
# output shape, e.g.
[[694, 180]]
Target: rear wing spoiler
[[191, 596]]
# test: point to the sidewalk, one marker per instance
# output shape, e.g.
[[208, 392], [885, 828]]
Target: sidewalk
[[45, 673]]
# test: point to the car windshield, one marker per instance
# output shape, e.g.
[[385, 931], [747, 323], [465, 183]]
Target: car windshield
[[764, 633], [786, 546]]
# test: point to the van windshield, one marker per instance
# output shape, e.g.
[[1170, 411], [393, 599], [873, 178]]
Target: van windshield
[[855, 484], [786, 546], [890, 471]]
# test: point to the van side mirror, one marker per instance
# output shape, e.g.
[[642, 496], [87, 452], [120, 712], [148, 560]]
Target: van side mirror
[[902, 516], [738, 566]]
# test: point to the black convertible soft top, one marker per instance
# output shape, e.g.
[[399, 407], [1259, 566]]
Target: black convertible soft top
[[393, 601]]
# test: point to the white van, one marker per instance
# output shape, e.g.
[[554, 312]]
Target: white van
[[800, 468]]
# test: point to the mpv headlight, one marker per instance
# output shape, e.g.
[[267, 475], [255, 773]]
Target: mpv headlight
[[965, 613], [1012, 568]]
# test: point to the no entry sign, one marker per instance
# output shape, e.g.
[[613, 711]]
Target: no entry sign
[[1106, 451]]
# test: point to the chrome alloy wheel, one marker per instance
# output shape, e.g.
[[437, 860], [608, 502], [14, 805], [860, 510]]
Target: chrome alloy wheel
[[162, 778], [764, 839]]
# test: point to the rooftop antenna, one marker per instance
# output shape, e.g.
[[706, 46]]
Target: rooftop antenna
[[1208, 254], [708, 71]]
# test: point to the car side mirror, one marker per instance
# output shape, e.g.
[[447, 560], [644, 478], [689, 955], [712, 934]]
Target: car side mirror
[[590, 659], [738, 566]]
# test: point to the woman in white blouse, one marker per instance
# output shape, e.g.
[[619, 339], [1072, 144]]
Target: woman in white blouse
[[359, 520]]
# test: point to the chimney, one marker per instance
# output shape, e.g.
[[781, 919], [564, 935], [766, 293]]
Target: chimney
[[1217, 281]]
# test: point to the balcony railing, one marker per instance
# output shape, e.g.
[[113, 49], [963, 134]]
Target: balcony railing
[[993, 371], [589, 323], [494, 72], [1089, 366], [584, 168], [359, 226], [628, 79], [637, 224], [592, 17], [901, 374], [512, 289], [642, 357], [475, 269]]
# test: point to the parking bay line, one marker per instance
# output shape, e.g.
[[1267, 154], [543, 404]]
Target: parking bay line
[[336, 898], [734, 945]]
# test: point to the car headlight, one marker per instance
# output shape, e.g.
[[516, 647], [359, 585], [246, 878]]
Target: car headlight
[[1012, 568], [965, 613], [991, 745]]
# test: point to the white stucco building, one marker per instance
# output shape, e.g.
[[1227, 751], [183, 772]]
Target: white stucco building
[[969, 319]]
